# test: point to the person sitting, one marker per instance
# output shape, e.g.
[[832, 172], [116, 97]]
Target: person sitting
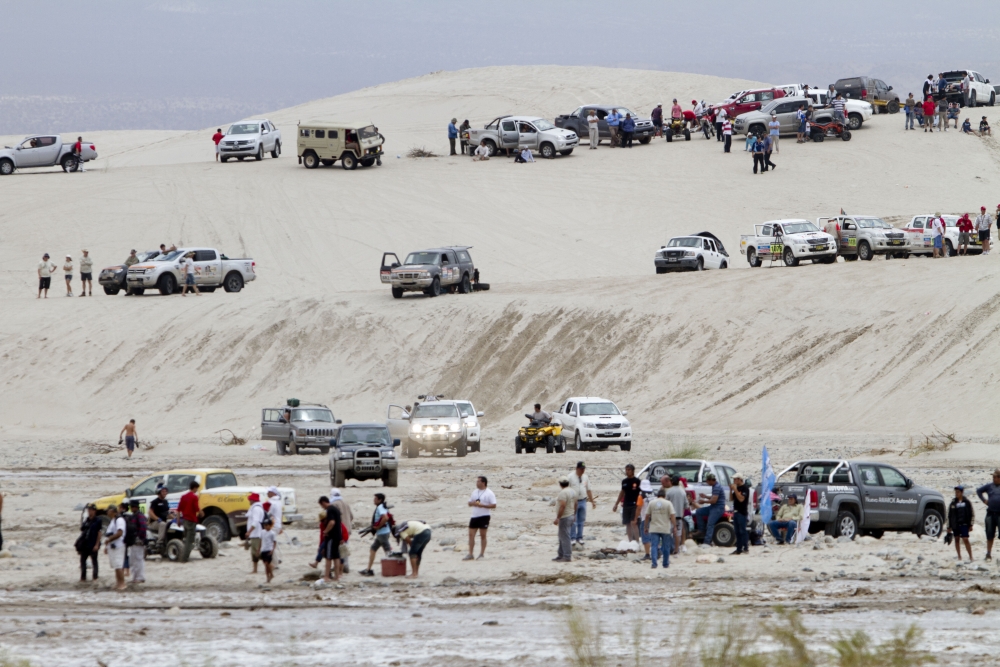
[[984, 127], [524, 156], [953, 113], [788, 519], [967, 127], [540, 415], [482, 152]]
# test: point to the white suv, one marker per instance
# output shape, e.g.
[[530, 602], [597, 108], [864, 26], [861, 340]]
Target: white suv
[[250, 138], [471, 419], [593, 423]]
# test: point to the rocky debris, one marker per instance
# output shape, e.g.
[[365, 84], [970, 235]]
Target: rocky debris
[[6, 553], [447, 542], [173, 611], [706, 559]]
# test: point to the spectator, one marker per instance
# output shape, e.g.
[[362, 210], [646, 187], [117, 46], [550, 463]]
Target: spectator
[[918, 114], [908, 109], [482, 152], [757, 148], [964, 234], [720, 119], [928, 114], [594, 129], [679, 499], [748, 142], [788, 518], [662, 519], [967, 88], [255, 522], [483, 502], [937, 231], [123, 512], [727, 132], [838, 103], [645, 495], [217, 137], [942, 86], [380, 529], [983, 223], [524, 156], [131, 259], [800, 116], [961, 517], [614, 119], [990, 494], [967, 128], [565, 513], [136, 542], [942, 108], [657, 118], [628, 130], [953, 113], [774, 131], [628, 498], [86, 274], [984, 127], [768, 145], [68, 275], [927, 86], [189, 274], [88, 543], [78, 152], [330, 545], [268, 541], [416, 535], [580, 484], [190, 512], [740, 493], [276, 510], [676, 113], [709, 515], [130, 435], [452, 134], [114, 546], [463, 135], [159, 513]]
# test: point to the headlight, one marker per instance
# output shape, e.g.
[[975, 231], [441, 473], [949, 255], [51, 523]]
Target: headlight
[[344, 455], [455, 427], [425, 274], [589, 425], [415, 428], [689, 253], [389, 454], [624, 423]]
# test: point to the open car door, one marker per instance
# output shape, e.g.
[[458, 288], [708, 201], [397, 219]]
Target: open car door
[[389, 262]]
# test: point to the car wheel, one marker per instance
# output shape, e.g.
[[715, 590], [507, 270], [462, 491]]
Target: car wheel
[[949, 249], [282, 448], [166, 284], [724, 535], [893, 106], [462, 448], [435, 288], [391, 478], [846, 526], [466, 285], [865, 252], [136, 291], [293, 448], [517, 445], [70, 164], [661, 269], [724, 265], [6, 167], [223, 159], [578, 442], [208, 546], [550, 444], [339, 478], [260, 153], [348, 161], [931, 525], [789, 257], [547, 151], [111, 290], [829, 259], [239, 158], [877, 534], [700, 265], [234, 282], [173, 550], [561, 445], [217, 528], [324, 450], [491, 147], [854, 121], [752, 258], [310, 160], [972, 99], [397, 292], [993, 99], [625, 446], [277, 149]]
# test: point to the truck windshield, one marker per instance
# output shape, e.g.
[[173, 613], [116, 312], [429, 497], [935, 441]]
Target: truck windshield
[[684, 243], [368, 132], [170, 256], [799, 227], [244, 128], [869, 223], [622, 111], [312, 415], [423, 258], [542, 125], [425, 410], [598, 409], [686, 469], [372, 436]]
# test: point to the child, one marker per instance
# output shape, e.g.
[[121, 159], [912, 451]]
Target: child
[[984, 127], [267, 542], [918, 111], [960, 519]]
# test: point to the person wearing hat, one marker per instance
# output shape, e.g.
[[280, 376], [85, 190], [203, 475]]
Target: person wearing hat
[[788, 518], [565, 513], [739, 491], [628, 498], [89, 542], [983, 222], [131, 259], [137, 549], [709, 514], [774, 131], [990, 494], [452, 134], [937, 231], [255, 519], [580, 484], [158, 514], [188, 263], [964, 225], [190, 511], [114, 545], [416, 535], [45, 270], [961, 517]]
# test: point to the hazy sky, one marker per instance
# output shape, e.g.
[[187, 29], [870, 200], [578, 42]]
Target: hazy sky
[[105, 64]]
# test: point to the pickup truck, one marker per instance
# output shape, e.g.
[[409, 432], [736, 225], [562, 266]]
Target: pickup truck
[[433, 425], [850, 498], [112, 278], [578, 123], [697, 252], [972, 94], [299, 426], [593, 423], [363, 451], [864, 236], [224, 502], [250, 138], [519, 132], [920, 241], [432, 271], [750, 100], [786, 109], [44, 150], [789, 241], [212, 269]]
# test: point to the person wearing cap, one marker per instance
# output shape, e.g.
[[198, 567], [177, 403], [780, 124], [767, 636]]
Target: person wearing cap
[[114, 545], [158, 514], [131, 259], [482, 501], [276, 508], [89, 542], [983, 222], [990, 494], [937, 231], [662, 520], [137, 550], [565, 514], [580, 484], [628, 498], [189, 272], [657, 117], [416, 535], [788, 518], [190, 512], [964, 225], [452, 134], [86, 273], [774, 131], [961, 517], [255, 519], [739, 491], [709, 514], [45, 270]]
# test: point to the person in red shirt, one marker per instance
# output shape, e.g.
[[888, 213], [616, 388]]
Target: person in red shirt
[[217, 137], [964, 234], [190, 512], [78, 152], [928, 114]]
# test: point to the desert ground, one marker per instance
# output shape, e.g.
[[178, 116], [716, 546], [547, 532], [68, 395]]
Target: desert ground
[[859, 359]]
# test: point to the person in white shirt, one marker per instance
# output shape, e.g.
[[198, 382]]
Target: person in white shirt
[[983, 222], [188, 264], [276, 508], [482, 152], [593, 128], [45, 271], [255, 519], [580, 484], [937, 230], [482, 502], [525, 156], [267, 543], [68, 273], [114, 546]]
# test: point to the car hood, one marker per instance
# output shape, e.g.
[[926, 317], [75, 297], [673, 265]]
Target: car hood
[[603, 418], [810, 235], [116, 268], [434, 421], [241, 137], [416, 267]]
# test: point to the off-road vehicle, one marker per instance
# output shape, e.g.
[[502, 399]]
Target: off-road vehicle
[[579, 123], [874, 91], [539, 433], [434, 425], [363, 451], [520, 132], [697, 252], [433, 271], [589, 422], [324, 142], [299, 426], [864, 236], [676, 127], [112, 278], [250, 138]]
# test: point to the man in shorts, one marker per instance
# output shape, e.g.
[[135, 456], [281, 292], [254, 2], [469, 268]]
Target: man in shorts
[[114, 546], [990, 494], [381, 530], [628, 498], [45, 269], [130, 435], [964, 234], [330, 548], [983, 223], [937, 231], [86, 274], [482, 502], [189, 274]]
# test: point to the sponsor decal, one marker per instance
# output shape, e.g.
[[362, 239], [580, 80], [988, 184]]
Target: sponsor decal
[[892, 500], [777, 248], [823, 504], [840, 489]]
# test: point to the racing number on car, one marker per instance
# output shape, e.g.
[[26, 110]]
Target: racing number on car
[[777, 248], [852, 242]]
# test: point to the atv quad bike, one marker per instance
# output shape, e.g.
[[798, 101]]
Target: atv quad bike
[[819, 131], [676, 128], [539, 434]]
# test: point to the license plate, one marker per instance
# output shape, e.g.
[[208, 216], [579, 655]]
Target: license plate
[[671, 259], [895, 243], [386, 278], [819, 247]]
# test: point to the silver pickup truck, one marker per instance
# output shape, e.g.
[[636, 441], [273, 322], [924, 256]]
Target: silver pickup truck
[[299, 426], [432, 271], [864, 236], [44, 150], [531, 132], [212, 269]]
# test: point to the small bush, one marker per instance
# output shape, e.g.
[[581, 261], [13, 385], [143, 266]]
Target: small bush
[[420, 152]]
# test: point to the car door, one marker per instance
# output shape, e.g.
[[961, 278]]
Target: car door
[[508, 134], [788, 123], [389, 262], [569, 419], [527, 135], [848, 235], [207, 267], [271, 425], [874, 498], [27, 153], [399, 427], [922, 232], [711, 255], [449, 268], [902, 506], [765, 243]]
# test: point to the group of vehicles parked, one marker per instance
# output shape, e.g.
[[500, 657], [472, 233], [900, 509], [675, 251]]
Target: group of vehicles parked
[[166, 272]]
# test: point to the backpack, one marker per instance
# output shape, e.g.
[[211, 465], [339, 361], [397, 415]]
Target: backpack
[[130, 530]]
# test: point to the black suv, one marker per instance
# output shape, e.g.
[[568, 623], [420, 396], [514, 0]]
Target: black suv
[[577, 121], [867, 89]]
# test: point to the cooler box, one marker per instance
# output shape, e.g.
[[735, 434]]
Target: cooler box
[[393, 567]]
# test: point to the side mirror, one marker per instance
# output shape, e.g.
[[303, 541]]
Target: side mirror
[[480, 414], [339, 421], [909, 483], [624, 413], [333, 442], [128, 493], [889, 88], [281, 420], [395, 442]]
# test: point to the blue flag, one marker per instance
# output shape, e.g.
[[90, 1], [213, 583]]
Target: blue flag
[[767, 480]]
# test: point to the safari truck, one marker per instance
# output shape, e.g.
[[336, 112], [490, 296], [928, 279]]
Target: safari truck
[[223, 501], [519, 132], [850, 498], [432, 271], [788, 241], [44, 150], [324, 142], [864, 236], [299, 426]]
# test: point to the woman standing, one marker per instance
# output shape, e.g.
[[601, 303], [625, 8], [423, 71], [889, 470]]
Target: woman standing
[[68, 270]]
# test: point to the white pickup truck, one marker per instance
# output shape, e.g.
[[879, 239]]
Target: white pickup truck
[[250, 138], [212, 269], [44, 150], [921, 240], [519, 132], [789, 241]]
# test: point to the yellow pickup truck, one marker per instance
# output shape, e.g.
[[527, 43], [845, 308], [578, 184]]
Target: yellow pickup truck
[[223, 501]]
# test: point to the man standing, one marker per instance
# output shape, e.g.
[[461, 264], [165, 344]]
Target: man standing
[[964, 234], [720, 119], [657, 118], [88, 543], [380, 527], [2, 494], [937, 231], [927, 86], [114, 546], [774, 131], [86, 274], [662, 519], [159, 513], [715, 506], [565, 502], [130, 435], [331, 545], [727, 133], [190, 512], [482, 501], [800, 116], [452, 134], [990, 494], [276, 509], [757, 148], [580, 484], [628, 130], [45, 269], [463, 136], [137, 536], [983, 222], [189, 274], [217, 137], [78, 152], [942, 108], [787, 519], [255, 522], [838, 109], [676, 113], [961, 517], [593, 128], [740, 491], [628, 498], [614, 120], [768, 146], [679, 499], [928, 114], [908, 108]]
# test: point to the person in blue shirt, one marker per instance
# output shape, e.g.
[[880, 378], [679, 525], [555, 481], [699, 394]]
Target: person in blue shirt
[[628, 129], [758, 155], [709, 515], [380, 527], [800, 115], [614, 119], [452, 134]]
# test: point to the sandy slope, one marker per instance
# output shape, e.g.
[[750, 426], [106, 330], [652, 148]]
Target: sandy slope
[[568, 244]]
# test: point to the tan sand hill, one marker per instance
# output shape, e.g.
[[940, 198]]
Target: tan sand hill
[[866, 347]]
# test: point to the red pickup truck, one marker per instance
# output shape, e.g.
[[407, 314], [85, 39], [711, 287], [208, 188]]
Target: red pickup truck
[[751, 100]]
